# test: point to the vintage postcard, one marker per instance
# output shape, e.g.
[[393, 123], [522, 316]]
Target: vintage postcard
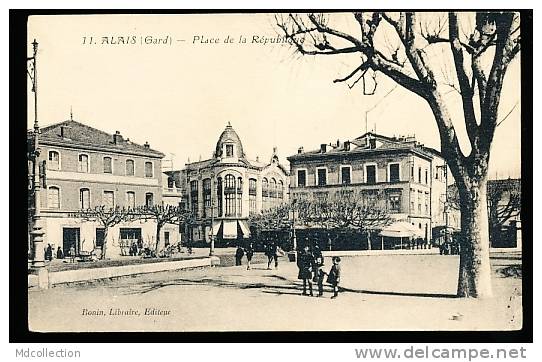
[[275, 172]]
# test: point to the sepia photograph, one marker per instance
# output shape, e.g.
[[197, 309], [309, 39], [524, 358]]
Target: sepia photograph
[[276, 171]]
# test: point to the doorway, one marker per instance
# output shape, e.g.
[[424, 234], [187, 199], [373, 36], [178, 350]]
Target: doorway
[[129, 235], [71, 237]]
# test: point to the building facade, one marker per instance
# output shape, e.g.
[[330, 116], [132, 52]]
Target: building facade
[[86, 168], [223, 191], [504, 212], [407, 175]]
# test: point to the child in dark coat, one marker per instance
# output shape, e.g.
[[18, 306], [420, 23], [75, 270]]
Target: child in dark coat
[[334, 276], [239, 255], [305, 263], [318, 268]]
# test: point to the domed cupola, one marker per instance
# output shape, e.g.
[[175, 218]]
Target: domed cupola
[[229, 145]]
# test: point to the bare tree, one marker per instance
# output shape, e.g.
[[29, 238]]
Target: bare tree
[[107, 217], [480, 58], [162, 215], [364, 210], [504, 203], [276, 218]]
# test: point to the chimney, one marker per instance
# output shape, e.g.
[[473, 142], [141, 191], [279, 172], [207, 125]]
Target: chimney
[[117, 138], [323, 148], [347, 145], [257, 158], [64, 131], [300, 150], [338, 143], [147, 146]]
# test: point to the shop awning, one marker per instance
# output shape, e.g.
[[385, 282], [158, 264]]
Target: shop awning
[[216, 228], [244, 228], [400, 229], [229, 229]]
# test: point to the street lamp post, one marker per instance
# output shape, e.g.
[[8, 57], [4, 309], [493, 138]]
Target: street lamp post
[[37, 233], [446, 201], [212, 247], [294, 240]]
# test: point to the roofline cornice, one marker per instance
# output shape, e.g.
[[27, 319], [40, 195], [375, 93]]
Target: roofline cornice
[[363, 153], [84, 146]]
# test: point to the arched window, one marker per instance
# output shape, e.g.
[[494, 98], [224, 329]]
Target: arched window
[[219, 195], [148, 170], [194, 207], [83, 163], [149, 199], [130, 199], [108, 200], [54, 160], [229, 182], [108, 164], [239, 185], [229, 195], [252, 195], [130, 170], [84, 198], [273, 188], [281, 190], [53, 197], [265, 187], [206, 197]]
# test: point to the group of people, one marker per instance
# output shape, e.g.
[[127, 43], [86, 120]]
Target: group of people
[[241, 251], [310, 262], [272, 251], [311, 270], [59, 253]]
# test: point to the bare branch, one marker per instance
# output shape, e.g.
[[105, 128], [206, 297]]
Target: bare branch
[[362, 67], [464, 83], [508, 114]]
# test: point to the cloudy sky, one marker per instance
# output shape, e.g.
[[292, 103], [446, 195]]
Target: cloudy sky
[[180, 96]]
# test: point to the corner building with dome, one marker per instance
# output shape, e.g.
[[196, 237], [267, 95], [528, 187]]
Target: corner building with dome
[[223, 191]]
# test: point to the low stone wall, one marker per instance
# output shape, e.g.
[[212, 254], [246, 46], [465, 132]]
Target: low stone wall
[[79, 275], [381, 252]]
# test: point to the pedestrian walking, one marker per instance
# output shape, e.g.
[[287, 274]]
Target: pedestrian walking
[[305, 263], [272, 254], [49, 252], [239, 255], [334, 276], [249, 251], [59, 253]]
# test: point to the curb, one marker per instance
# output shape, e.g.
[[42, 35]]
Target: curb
[[80, 275]]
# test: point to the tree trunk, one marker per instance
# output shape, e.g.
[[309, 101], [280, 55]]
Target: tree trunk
[[104, 247], [158, 229], [368, 240], [474, 264]]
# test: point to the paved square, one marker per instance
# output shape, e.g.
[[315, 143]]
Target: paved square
[[399, 292]]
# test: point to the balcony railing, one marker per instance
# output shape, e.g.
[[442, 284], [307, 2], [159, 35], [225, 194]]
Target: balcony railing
[[173, 190]]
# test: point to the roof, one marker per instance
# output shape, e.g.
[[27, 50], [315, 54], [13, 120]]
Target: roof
[[229, 136], [361, 145], [82, 136]]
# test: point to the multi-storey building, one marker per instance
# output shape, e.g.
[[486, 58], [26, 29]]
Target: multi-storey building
[[408, 175], [225, 189], [86, 168]]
